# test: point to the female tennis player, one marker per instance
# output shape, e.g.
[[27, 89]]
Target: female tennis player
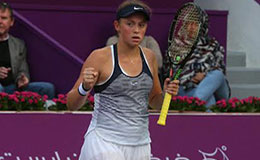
[[125, 79]]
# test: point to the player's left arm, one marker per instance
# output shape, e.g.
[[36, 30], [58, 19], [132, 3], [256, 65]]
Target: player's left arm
[[156, 95]]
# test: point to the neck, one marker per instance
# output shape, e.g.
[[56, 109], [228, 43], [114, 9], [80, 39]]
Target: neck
[[4, 37], [125, 49], [128, 53]]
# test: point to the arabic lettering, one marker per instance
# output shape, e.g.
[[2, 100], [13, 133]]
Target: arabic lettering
[[180, 158], [156, 158], [206, 156], [8, 156]]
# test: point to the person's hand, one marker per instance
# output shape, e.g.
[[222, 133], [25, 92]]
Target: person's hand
[[89, 78], [4, 72], [23, 81], [198, 77], [171, 87]]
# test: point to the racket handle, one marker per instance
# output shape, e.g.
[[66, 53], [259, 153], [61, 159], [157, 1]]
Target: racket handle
[[164, 110]]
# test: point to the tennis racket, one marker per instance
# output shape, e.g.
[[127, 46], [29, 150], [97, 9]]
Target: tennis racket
[[182, 39]]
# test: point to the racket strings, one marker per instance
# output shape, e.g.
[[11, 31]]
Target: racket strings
[[187, 23], [189, 13], [185, 33]]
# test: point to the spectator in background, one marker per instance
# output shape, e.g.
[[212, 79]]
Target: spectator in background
[[14, 73], [203, 75]]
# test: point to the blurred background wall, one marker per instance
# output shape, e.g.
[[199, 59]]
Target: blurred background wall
[[61, 34]]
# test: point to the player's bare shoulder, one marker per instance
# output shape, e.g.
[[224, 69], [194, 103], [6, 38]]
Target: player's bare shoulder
[[150, 55], [99, 56], [151, 59]]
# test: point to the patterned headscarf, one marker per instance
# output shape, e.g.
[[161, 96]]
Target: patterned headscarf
[[208, 55]]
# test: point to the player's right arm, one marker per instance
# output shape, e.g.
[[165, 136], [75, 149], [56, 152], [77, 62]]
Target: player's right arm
[[88, 77]]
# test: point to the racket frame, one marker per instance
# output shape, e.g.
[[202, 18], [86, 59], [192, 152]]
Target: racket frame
[[181, 64]]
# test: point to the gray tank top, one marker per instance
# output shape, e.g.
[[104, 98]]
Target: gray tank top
[[121, 105]]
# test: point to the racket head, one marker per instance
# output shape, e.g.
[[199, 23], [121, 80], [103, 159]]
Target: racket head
[[184, 32]]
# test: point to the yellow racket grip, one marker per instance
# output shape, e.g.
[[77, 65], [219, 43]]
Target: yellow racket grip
[[164, 110]]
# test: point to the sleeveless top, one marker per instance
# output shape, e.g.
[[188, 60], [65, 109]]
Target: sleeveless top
[[121, 105]]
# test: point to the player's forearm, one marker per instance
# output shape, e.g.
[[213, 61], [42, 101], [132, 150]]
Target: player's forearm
[[156, 102], [74, 100]]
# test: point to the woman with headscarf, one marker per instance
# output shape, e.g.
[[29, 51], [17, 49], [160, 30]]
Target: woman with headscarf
[[203, 75]]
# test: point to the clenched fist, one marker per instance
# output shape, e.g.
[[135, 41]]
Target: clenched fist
[[89, 78]]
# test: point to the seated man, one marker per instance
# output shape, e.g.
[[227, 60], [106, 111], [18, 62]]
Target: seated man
[[203, 75], [148, 42], [14, 73]]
